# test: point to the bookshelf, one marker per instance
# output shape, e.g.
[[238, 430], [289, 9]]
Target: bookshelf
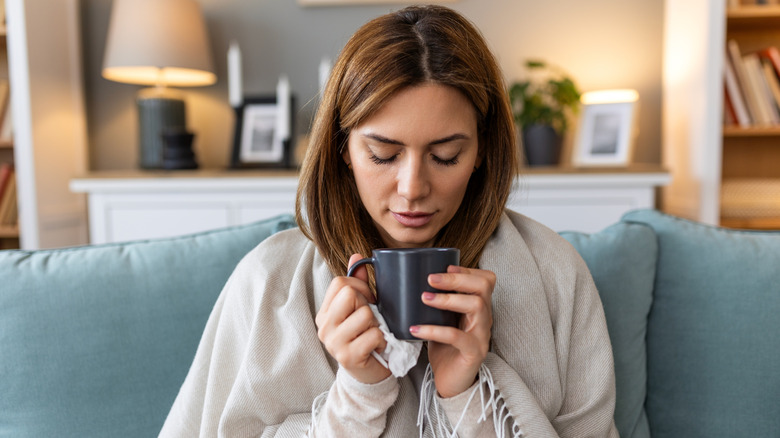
[[9, 232], [749, 173]]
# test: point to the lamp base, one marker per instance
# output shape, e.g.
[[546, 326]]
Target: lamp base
[[178, 153], [160, 110]]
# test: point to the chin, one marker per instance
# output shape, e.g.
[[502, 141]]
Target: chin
[[413, 238]]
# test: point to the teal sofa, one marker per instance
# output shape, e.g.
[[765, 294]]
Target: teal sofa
[[95, 341]]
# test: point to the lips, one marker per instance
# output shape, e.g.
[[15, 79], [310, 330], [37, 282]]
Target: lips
[[413, 219]]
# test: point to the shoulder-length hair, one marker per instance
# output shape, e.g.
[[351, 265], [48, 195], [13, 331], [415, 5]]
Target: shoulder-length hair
[[415, 45]]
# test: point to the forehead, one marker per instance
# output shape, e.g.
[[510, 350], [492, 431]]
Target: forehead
[[427, 108]]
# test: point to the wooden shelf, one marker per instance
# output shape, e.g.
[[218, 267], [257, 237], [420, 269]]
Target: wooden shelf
[[751, 16], [753, 131], [6, 144], [9, 232], [765, 224]]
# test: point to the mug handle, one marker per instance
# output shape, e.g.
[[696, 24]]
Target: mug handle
[[353, 268]]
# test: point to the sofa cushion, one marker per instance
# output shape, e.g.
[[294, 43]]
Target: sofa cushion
[[713, 348], [97, 340], [621, 259]]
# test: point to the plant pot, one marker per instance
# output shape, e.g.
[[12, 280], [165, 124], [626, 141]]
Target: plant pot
[[541, 145]]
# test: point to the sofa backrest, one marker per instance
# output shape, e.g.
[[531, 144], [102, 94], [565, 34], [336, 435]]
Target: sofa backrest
[[95, 341], [713, 334], [621, 259], [692, 313]]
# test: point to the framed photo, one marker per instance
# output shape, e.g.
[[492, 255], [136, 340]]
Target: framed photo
[[258, 140], [606, 135]]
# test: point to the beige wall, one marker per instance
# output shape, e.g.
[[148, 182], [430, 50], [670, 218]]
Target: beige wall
[[601, 43]]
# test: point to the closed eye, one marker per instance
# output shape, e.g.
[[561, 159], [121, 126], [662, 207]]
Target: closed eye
[[378, 160], [446, 162]]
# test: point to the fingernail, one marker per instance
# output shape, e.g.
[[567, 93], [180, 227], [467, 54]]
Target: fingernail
[[435, 278], [428, 296], [414, 329]]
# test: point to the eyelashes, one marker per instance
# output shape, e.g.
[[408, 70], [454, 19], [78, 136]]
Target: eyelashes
[[440, 161], [380, 161], [451, 162]]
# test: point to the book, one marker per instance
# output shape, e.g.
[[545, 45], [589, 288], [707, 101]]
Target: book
[[749, 93], [729, 116], [8, 214], [768, 112], [5, 176], [7, 127], [771, 54], [772, 81], [740, 74], [734, 95], [5, 102]]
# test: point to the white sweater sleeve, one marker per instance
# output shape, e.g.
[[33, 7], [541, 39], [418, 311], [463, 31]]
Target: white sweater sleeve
[[353, 408], [466, 411]]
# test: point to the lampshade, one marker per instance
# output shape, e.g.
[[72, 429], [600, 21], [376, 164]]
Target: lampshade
[[158, 42]]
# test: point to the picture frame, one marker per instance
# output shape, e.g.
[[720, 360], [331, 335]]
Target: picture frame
[[606, 135], [256, 139]]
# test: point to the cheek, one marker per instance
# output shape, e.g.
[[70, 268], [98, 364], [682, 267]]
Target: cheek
[[372, 185], [453, 188]]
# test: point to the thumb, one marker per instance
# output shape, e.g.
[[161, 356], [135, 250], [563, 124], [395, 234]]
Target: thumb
[[361, 272]]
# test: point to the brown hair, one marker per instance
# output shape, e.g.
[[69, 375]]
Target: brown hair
[[415, 45]]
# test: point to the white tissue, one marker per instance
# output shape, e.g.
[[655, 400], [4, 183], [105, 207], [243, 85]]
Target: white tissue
[[399, 356]]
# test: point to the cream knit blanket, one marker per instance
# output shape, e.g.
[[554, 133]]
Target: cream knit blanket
[[260, 365]]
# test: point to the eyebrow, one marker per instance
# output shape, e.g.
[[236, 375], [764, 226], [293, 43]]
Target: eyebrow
[[383, 139]]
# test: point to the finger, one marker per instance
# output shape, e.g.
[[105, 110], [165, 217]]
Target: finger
[[356, 323], [345, 303], [339, 283], [456, 302], [358, 350], [469, 346], [361, 272], [439, 333], [340, 330], [464, 280], [370, 340]]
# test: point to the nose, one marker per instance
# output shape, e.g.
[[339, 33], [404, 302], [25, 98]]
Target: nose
[[413, 179]]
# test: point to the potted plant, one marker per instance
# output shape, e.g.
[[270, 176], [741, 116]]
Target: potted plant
[[541, 105]]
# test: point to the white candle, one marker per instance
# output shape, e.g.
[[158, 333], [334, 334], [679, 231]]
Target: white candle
[[283, 106], [234, 75], [324, 72]]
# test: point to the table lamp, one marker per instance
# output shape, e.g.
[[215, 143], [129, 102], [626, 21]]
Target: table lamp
[[160, 43]]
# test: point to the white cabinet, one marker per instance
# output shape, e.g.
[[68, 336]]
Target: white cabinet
[[139, 205], [579, 201]]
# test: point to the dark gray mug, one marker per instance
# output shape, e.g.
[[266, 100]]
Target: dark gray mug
[[401, 278]]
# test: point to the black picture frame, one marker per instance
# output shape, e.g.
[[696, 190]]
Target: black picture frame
[[255, 145]]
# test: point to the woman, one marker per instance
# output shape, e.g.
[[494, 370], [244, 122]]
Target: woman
[[412, 146]]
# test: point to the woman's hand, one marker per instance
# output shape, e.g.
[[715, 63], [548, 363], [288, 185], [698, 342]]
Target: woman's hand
[[348, 328], [455, 354]]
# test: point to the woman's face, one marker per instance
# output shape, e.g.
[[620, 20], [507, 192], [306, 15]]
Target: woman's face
[[412, 161]]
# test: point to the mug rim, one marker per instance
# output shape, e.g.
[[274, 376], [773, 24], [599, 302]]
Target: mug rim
[[415, 250]]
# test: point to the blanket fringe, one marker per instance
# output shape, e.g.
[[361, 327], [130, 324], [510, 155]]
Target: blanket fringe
[[316, 407], [491, 400]]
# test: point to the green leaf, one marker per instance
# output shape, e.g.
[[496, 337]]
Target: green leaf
[[544, 102]]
